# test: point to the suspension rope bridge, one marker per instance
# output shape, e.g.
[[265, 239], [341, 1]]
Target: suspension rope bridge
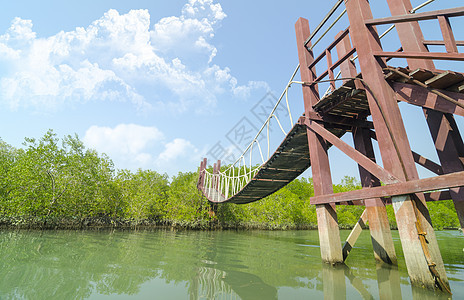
[[246, 181], [365, 86]]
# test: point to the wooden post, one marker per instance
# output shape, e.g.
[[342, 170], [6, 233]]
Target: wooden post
[[218, 170], [201, 179], [394, 147], [379, 227], [329, 235], [445, 133]]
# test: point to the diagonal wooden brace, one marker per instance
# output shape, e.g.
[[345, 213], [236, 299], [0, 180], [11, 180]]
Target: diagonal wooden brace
[[427, 163], [354, 154], [353, 237], [420, 160]]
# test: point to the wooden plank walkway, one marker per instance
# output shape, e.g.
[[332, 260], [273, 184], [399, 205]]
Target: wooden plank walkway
[[347, 102]]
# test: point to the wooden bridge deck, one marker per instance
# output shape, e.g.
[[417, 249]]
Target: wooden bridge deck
[[344, 104]]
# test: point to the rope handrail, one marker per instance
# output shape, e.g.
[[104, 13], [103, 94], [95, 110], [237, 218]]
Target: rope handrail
[[270, 115], [220, 184]]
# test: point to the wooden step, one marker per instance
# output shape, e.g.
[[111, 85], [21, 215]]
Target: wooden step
[[393, 76], [444, 80], [421, 74], [457, 88]]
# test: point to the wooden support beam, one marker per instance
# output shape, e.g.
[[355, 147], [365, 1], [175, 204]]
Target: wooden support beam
[[328, 57], [443, 128], [354, 234], [420, 160], [437, 196], [354, 154], [347, 67], [410, 33], [447, 32], [394, 144], [333, 44], [440, 43], [450, 150], [421, 55], [331, 119], [430, 15], [201, 177], [417, 95], [451, 180], [336, 64], [427, 163], [329, 235], [379, 227]]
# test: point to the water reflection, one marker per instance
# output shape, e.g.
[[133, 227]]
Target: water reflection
[[212, 283], [334, 281], [195, 265], [388, 279]]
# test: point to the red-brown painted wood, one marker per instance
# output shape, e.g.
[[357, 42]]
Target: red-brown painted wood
[[403, 188], [445, 133], [329, 236], [393, 143], [417, 95]]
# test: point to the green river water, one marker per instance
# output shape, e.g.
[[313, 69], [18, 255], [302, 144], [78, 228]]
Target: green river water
[[163, 264]]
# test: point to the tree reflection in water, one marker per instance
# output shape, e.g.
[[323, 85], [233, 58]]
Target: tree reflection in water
[[201, 265]]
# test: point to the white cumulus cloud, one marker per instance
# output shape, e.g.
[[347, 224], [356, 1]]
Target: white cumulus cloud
[[134, 146], [176, 149], [127, 144], [116, 58]]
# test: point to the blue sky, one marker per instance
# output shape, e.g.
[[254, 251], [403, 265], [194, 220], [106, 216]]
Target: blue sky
[[156, 84]]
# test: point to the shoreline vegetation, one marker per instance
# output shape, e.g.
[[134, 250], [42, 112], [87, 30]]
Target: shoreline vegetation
[[55, 183]]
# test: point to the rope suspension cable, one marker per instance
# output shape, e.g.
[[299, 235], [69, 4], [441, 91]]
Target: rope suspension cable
[[222, 180], [420, 6], [268, 142], [238, 181], [288, 106], [260, 151], [251, 154], [280, 125], [268, 118]]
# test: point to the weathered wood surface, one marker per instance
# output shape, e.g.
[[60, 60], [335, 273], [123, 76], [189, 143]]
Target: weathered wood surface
[[345, 103]]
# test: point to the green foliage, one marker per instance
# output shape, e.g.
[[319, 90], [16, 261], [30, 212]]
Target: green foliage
[[443, 214], [46, 179], [186, 204], [53, 178], [144, 194]]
